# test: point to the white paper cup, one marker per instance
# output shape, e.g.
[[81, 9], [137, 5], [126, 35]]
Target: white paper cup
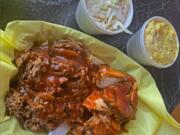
[[136, 48], [89, 26]]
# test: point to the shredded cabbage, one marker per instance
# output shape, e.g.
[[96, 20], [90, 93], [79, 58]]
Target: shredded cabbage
[[109, 14]]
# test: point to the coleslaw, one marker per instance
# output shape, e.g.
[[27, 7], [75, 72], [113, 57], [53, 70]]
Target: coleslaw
[[109, 14]]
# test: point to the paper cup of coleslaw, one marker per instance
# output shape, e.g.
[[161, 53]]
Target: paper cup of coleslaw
[[155, 44], [90, 26]]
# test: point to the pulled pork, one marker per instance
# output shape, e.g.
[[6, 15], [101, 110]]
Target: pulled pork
[[58, 81]]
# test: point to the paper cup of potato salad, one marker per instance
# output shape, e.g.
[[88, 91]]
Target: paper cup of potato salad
[[155, 44]]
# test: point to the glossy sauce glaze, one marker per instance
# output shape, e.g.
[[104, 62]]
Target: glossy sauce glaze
[[57, 82]]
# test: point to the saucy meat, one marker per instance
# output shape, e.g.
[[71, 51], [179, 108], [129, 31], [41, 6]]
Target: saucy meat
[[58, 81]]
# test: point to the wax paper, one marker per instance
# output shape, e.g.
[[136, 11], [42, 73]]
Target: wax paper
[[152, 117]]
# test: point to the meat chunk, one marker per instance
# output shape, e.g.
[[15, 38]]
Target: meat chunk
[[117, 98]]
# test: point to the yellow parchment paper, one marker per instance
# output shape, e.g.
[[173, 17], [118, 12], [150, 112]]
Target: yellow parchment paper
[[152, 117]]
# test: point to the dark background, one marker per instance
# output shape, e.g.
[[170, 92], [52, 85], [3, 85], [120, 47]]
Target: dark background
[[63, 12]]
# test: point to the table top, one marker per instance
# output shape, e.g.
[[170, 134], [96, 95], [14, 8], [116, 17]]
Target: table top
[[63, 12]]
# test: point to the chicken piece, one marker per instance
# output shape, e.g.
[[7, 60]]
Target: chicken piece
[[118, 98]]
